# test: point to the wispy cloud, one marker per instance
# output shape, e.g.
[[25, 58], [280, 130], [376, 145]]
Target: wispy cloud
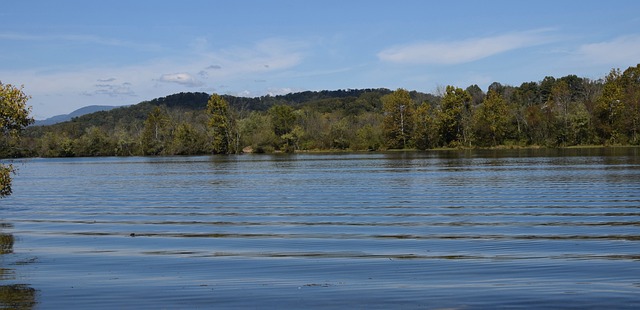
[[185, 79], [264, 56], [621, 50], [464, 51], [111, 89], [83, 38], [107, 80]]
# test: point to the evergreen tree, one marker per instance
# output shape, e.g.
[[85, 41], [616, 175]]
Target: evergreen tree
[[283, 121], [221, 125]]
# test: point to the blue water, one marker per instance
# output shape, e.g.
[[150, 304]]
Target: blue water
[[428, 230]]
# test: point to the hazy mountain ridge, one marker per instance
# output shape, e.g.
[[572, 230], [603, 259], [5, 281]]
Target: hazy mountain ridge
[[79, 112]]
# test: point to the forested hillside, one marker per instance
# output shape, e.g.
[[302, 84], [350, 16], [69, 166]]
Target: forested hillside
[[553, 112]]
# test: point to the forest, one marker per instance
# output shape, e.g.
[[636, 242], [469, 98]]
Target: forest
[[553, 112]]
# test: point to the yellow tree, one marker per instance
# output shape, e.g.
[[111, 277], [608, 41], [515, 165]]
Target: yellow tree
[[14, 116]]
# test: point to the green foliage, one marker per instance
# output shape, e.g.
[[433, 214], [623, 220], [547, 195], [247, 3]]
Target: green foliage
[[14, 116], [5, 180], [631, 120], [491, 120], [341, 134], [477, 95], [221, 124], [610, 107], [450, 115], [188, 141], [14, 113], [156, 132], [425, 133], [398, 123], [95, 142], [283, 121], [552, 112], [256, 132]]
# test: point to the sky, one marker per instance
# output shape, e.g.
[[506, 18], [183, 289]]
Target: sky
[[71, 54]]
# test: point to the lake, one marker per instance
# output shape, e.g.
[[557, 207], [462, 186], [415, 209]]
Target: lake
[[428, 230]]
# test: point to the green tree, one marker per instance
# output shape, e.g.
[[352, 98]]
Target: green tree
[[450, 115], [610, 107], [14, 117], [94, 142], [124, 143], [398, 119], [425, 129], [316, 127], [368, 138], [545, 88], [631, 119], [559, 104], [491, 120], [187, 140], [155, 133], [221, 124], [257, 132], [283, 121], [340, 134], [581, 130], [477, 95]]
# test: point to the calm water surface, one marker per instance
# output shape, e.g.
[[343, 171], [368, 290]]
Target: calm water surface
[[465, 230]]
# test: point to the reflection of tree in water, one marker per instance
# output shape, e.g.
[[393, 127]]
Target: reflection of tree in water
[[17, 296], [13, 296], [6, 244]]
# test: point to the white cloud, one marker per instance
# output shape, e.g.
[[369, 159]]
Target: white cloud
[[619, 51], [464, 51], [185, 79]]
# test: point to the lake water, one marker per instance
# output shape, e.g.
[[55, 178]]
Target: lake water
[[429, 230]]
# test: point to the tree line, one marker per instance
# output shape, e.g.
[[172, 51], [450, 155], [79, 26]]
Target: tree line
[[553, 112]]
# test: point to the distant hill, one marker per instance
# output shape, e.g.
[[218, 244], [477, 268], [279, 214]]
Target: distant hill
[[110, 116], [67, 117]]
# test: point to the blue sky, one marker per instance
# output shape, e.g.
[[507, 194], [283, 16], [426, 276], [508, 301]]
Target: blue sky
[[70, 54]]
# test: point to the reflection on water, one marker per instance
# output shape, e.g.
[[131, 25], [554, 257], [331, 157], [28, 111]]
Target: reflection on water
[[17, 296], [449, 229], [6, 244], [12, 296]]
